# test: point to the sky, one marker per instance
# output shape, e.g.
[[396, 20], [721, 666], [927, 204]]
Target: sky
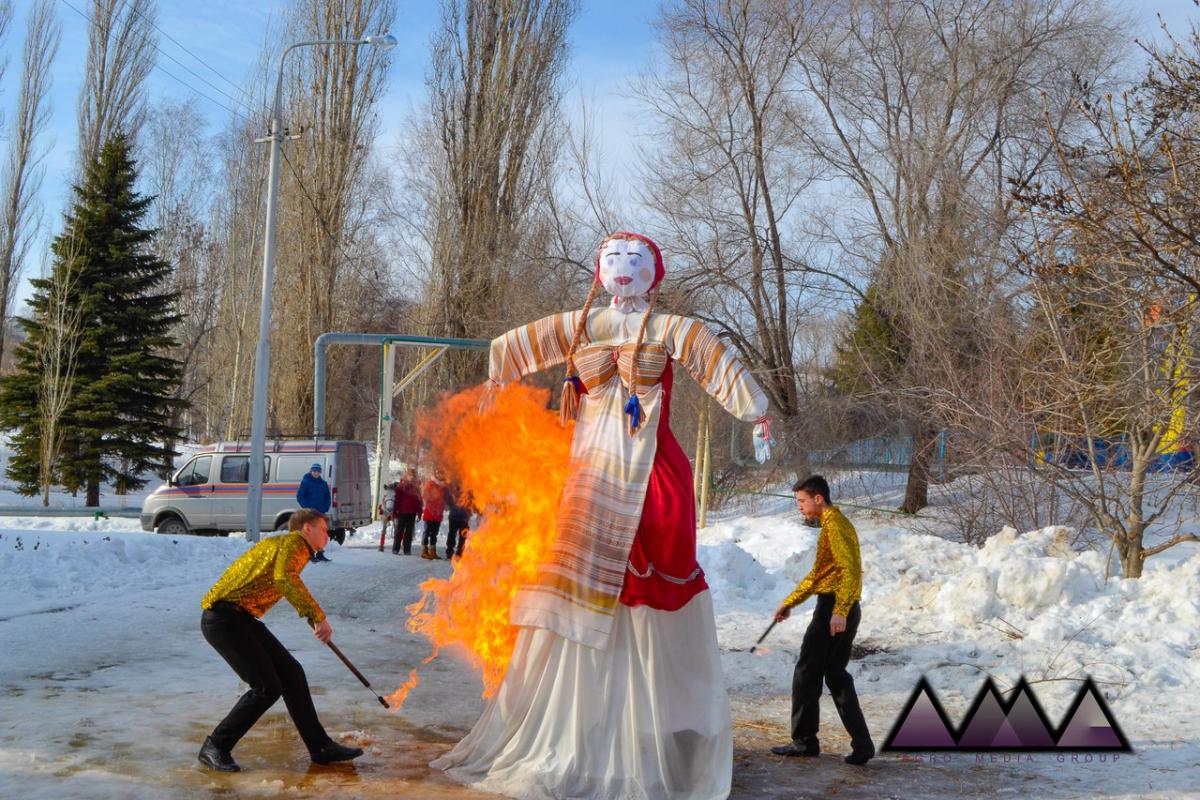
[[206, 48]]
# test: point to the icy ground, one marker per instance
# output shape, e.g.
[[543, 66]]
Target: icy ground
[[107, 687]]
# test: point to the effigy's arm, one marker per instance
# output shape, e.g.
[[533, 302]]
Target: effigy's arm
[[532, 348], [714, 366]]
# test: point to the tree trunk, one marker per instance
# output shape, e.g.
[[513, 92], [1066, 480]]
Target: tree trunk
[[1130, 549], [1132, 560], [93, 494], [916, 493]]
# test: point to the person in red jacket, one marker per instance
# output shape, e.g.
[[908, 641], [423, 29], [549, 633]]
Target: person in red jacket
[[405, 510], [434, 497]]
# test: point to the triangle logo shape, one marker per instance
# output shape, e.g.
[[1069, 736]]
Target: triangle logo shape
[[1089, 725], [923, 725], [1028, 720], [984, 719]]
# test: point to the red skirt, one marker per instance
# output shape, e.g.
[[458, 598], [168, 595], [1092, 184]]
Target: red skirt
[[663, 572]]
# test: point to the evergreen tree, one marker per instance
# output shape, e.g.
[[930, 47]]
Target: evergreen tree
[[116, 424]]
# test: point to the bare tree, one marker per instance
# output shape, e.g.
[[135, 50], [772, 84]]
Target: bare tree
[[6, 13], [728, 194], [62, 322], [324, 232], [927, 107], [494, 88], [22, 176], [121, 43], [1113, 259], [177, 166]]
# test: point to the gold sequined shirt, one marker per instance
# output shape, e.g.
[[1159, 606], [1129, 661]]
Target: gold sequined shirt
[[266, 572], [837, 569]]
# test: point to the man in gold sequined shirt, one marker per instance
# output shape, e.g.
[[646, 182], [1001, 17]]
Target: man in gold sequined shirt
[[836, 580], [231, 623]]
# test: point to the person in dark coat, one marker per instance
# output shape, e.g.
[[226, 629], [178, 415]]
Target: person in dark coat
[[314, 493], [458, 520], [405, 510]]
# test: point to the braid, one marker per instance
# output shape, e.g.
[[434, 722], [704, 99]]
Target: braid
[[569, 405], [635, 421]]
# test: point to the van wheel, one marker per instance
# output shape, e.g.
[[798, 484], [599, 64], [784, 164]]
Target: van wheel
[[281, 524], [172, 526]]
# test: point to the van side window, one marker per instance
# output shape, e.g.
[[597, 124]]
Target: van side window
[[195, 473], [236, 469], [291, 469]]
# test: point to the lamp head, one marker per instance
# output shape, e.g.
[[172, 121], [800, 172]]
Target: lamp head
[[381, 39]]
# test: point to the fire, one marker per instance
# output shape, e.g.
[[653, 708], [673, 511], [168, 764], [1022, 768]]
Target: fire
[[396, 698], [512, 459]]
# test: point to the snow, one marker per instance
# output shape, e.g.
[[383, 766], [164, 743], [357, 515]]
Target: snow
[[107, 687]]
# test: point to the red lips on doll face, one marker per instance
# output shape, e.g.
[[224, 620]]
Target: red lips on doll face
[[624, 280]]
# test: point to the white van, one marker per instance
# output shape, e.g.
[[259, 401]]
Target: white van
[[208, 493]]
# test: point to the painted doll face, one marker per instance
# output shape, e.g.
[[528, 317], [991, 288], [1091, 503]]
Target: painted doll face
[[626, 268]]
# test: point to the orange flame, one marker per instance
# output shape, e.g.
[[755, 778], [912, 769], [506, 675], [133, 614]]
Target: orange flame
[[396, 698], [511, 458]]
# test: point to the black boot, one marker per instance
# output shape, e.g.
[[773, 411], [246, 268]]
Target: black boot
[[334, 752], [805, 748], [216, 758], [860, 755]]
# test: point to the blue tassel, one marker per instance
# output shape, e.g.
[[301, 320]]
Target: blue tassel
[[634, 409], [575, 381]]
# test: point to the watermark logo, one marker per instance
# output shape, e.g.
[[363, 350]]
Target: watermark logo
[[1017, 724]]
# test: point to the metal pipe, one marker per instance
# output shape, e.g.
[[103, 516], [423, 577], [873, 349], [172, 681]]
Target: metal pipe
[[376, 339]]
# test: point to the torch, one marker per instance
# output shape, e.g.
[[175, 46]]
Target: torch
[[360, 676], [752, 649]]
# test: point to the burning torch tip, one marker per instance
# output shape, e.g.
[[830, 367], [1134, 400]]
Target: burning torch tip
[[382, 702]]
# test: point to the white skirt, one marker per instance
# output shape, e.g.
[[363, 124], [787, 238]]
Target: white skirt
[[647, 717]]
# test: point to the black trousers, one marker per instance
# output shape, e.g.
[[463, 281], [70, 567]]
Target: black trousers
[[403, 535], [260, 660], [432, 526], [824, 658], [456, 536]]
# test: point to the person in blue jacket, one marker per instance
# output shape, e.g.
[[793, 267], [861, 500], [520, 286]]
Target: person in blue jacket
[[314, 493]]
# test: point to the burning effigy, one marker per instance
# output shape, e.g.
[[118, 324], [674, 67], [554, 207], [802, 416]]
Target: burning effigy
[[580, 597]]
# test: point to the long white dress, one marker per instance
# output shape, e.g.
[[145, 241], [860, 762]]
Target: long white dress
[[603, 699]]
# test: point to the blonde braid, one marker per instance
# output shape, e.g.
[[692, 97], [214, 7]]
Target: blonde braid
[[637, 348], [569, 405]]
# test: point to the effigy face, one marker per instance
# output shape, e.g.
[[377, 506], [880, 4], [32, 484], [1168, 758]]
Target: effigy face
[[626, 268]]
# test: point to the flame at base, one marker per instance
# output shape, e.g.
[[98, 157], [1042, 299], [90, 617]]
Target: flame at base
[[511, 459], [397, 698]]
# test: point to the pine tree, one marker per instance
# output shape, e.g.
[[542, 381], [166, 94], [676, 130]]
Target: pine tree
[[117, 422]]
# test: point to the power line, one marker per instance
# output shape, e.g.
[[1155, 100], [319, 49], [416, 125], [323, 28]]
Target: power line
[[174, 77], [241, 90], [313, 203]]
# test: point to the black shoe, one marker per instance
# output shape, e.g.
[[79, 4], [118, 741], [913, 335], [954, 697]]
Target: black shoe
[[320, 556], [860, 756], [215, 758], [334, 752], [808, 748]]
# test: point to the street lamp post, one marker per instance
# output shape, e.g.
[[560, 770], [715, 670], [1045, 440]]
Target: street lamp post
[[262, 357]]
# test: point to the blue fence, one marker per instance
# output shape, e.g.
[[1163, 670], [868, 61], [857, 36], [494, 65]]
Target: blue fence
[[878, 452]]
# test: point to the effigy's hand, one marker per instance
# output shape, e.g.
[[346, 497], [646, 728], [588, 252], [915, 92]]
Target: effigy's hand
[[763, 441], [487, 399]]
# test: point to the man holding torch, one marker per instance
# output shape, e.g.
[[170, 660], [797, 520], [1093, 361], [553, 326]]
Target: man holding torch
[[836, 580], [231, 624]]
